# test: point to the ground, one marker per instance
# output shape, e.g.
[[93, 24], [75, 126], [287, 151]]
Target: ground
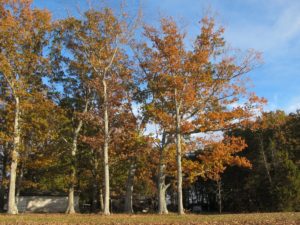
[[120, 219]]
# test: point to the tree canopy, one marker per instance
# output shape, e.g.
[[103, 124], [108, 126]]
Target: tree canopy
[[137, 121]]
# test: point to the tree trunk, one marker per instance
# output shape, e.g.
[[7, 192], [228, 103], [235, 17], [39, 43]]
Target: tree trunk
[[94, 198], [105, 152], [12, 208], [19, 182], [265, 159], [101, 203], [2, 186], [129, 189], [162, 187], [178, 154], [162, 203], [71, 203], [71, 208]]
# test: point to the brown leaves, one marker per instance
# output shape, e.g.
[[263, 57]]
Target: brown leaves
[[23, 38], [205, 85], [209, 85], [216, 156]]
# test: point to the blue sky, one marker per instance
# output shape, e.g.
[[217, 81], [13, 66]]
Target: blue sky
[[269, 26]]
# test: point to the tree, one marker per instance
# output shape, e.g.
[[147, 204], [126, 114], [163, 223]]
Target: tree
[[23, 38], [97, 40], [193, 91], [218, 157], [139, 155], [272, 184], [6, 135], [41, 165], [71, 70]]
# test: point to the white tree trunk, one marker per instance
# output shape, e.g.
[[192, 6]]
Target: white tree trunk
[[12, 208], [162, 187], [105, 152], [178, 154], [265, 159], [101, 203], [129, 189], [19, 182], [71, 208], [71, 204], [162, 203]]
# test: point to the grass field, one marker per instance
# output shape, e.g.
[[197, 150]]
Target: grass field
[[93, 219]]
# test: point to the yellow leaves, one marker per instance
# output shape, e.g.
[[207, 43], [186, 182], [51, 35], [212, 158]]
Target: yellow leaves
[[193, 169], [206, 82], [187, 127], [241, 162], [217, 156], [207, 85], [40, 116], [29, 184], [41, 163], [269, 120], [203, 83], [253, 98], [159, 115], [168, 45], [5, 67], [42, 18], [22, 38], [5, 137], [210, 40]]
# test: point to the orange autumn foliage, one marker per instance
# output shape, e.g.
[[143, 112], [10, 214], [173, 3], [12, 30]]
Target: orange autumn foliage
[[206, 84]]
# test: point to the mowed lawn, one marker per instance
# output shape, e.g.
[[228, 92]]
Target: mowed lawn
[[93, 219]]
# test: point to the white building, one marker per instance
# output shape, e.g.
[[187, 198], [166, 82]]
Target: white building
[[45, 204]]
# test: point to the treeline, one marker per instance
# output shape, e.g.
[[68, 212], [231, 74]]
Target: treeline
[[273, 183], [106, 107]]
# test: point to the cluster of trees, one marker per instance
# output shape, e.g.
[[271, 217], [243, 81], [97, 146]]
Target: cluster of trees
[[273, 183], [79, 95]]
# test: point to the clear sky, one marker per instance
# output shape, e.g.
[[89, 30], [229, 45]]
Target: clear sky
[[269, 26]]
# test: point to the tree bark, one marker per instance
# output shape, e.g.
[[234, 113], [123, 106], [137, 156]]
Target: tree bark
[[178, 156], [162, 203], [71, 203], [129, 189], [2, 186], [19, 182], [265, 159], [12, 208], [162, 187], [106, 210], [101, 203], [71, 208]]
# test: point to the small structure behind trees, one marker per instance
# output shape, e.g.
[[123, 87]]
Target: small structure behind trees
[[45, 204]]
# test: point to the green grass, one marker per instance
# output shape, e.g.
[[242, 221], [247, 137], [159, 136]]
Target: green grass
[[93, 219]]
